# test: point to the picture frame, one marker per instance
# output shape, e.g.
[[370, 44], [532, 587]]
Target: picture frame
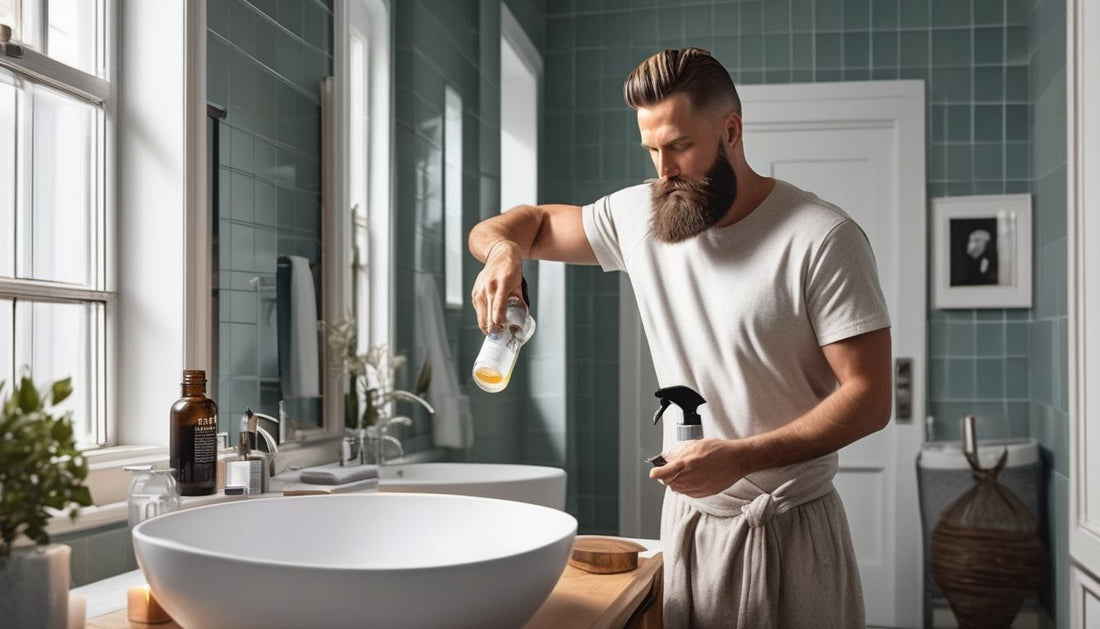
[[981, 251]]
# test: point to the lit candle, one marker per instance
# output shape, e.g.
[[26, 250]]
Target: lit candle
[[78, 611], [143, 606]]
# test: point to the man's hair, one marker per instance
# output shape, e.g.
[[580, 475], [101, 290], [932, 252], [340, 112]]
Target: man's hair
[[689, 71]]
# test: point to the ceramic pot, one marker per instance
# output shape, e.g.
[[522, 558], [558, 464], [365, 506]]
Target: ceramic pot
[[34, 587]]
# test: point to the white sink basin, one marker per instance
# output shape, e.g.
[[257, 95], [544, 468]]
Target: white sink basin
[[534, 484], [355, 560]]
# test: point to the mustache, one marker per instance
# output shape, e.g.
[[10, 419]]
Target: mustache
[[664, 187]]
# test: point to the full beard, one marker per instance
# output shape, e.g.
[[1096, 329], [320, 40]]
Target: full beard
[[684, 208]]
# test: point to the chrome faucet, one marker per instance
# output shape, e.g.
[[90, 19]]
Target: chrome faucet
[[357, 450], [272, 444]]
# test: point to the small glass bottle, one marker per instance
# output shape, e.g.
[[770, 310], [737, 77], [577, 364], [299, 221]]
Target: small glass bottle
[[493, 366], [192, 440]]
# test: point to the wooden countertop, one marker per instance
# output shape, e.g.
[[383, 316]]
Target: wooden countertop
[[580, 600]]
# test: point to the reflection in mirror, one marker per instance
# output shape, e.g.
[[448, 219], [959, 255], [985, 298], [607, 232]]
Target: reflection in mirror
[[265, 177]]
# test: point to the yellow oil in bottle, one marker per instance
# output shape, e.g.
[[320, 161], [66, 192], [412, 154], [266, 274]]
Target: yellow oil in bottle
[[488, 376]]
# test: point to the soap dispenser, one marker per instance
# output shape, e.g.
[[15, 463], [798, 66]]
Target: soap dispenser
[[691, 427], [249, 456]]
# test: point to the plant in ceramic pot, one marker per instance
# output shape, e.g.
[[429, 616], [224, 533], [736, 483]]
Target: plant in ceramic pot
[[41, 473]]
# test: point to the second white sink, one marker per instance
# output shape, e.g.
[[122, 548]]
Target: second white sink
[[535, 484]]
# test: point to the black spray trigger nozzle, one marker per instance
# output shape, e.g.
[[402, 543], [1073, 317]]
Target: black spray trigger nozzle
[[660, 411], [687, 399]]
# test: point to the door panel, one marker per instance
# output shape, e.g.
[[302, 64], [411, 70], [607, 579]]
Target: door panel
[[851, 168]]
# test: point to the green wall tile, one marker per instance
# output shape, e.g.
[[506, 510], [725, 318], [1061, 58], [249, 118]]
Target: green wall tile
[[857, 50], [951, 47], [989, 12], [777, 17], [915, 13], [829, 15], [948, 13], [914, 48], [828, 50], [884, 50], [989, 45]]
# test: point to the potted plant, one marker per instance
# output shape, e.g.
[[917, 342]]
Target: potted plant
[[41, 473]]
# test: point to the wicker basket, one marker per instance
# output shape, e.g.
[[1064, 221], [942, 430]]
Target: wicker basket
[[986, 555]]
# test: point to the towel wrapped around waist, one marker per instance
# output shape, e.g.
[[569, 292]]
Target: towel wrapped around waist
[[774, 551]]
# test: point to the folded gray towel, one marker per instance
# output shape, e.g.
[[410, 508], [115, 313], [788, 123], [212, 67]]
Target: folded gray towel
[[307, 489], [338, 475]]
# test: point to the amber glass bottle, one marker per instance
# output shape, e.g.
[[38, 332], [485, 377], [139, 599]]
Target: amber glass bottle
[[193, 440]]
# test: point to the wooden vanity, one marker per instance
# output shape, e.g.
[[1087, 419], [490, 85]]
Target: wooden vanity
[[580, 600]]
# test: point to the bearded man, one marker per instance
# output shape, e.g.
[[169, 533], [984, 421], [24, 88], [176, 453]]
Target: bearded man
[[763, 298]]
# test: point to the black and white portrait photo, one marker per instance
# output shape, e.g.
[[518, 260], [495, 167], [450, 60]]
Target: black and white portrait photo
[[981, 251], [973, 251]]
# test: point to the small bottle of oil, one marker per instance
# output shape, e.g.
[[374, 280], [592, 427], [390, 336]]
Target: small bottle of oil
[[193, 441], [493, 366]]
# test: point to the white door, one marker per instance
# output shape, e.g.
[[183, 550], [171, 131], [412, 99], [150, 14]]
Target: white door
[[860, 146]]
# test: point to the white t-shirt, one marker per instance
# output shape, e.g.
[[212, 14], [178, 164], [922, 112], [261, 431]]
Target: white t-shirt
[[740, 313]]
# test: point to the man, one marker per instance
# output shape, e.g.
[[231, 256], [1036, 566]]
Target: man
[[982, 267], [765, 300]]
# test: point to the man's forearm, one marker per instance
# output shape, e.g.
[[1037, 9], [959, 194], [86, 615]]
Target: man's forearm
[[520, 225], [853, 411]]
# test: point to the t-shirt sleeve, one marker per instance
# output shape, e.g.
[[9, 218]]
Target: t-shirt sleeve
[[843, 295], [603, 234]]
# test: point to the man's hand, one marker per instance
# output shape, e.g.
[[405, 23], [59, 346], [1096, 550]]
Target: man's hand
[[701, 468], [501, 278]]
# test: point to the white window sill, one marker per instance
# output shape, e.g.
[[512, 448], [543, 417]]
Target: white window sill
[[116, 513], [109, 483]]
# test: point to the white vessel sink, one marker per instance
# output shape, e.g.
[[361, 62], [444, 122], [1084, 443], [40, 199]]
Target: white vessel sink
[[534, 484], [355, 560]]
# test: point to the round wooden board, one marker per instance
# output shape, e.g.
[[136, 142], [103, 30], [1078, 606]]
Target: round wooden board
[[604, 555]]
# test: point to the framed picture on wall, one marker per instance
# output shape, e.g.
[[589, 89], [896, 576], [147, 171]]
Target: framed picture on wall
[[981, 251]]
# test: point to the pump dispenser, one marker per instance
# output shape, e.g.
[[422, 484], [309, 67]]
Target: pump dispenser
[[688, 400]]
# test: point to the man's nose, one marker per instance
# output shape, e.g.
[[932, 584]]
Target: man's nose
[[666, 166]]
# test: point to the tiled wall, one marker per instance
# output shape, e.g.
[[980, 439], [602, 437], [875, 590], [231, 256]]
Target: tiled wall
[[1049, 344], [457, 44], [265, 61], [976, 59]]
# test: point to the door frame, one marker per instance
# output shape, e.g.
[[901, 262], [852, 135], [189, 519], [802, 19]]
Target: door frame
[[900, 104]]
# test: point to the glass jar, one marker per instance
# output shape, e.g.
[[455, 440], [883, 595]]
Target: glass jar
[[152, 492]]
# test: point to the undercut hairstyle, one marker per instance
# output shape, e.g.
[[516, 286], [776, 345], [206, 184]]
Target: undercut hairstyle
[[689, 71]]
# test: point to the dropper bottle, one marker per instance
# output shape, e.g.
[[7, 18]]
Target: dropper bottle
[[494, 363]]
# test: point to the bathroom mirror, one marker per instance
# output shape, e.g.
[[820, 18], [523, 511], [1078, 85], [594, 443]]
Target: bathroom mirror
[[264, 69]]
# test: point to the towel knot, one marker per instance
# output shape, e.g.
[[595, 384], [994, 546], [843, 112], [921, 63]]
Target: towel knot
[[759, 511]]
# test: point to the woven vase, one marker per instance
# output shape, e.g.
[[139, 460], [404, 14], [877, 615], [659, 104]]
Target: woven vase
[[986, 555]]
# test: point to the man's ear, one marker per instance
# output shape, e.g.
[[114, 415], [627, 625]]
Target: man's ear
[[732, 129]]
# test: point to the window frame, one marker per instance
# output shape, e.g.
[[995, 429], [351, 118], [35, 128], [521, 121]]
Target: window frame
[[34, 67]]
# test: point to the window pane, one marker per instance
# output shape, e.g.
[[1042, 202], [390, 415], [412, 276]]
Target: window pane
[[63, 197], [7, 336], [73, 33], [7, 14], [61, 340], [8, 148], [452, 195]]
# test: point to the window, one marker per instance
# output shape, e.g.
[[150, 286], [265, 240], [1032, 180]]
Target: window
[[452, 196], [55, 291]]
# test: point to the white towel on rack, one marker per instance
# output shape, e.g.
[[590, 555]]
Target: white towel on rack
[[303, 379], [452, 424]]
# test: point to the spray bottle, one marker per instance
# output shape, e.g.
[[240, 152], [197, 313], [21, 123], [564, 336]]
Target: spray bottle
[[691, 427]]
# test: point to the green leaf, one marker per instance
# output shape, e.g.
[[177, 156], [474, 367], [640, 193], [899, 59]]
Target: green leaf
[[424, 378], [82, 496], [62, 389], [28, 396]]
